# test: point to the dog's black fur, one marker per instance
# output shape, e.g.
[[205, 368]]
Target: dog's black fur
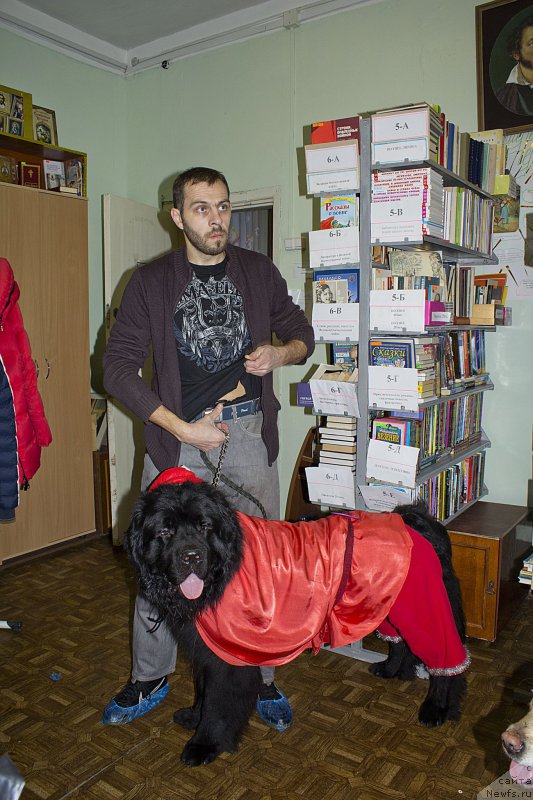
[[179, 529]]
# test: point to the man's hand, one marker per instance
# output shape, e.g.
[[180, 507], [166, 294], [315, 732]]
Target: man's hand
[[266, 357], [205, 434]]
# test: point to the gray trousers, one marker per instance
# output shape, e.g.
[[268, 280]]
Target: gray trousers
[[246, 464]]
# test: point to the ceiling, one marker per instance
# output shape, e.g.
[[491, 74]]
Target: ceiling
[[127, 36]]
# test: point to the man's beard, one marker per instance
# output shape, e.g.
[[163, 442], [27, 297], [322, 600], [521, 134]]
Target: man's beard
[[202, 242], [526, 62]]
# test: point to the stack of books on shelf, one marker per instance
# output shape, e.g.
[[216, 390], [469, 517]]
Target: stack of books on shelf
[[418, 269], [337, 241], [407, 205], [420, 353], [342, 283], [396, 430], [526, 573], [468, 219], [490, 293], [337, 441], [345, 353], [448, 492], [406, 133], [332, 158]]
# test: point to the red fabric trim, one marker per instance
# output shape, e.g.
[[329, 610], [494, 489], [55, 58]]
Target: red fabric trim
[[174, 475]]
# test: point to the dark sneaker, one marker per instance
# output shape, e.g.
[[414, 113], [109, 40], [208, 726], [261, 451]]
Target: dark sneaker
[[135, 699], [274, 708]]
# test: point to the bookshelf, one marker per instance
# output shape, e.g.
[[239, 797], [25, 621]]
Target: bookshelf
[[14, 147], [464, 460]]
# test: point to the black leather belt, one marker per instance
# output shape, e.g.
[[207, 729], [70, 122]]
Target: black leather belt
[[235, 411]]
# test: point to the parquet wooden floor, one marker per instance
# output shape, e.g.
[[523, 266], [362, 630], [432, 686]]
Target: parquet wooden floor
[[354, 736]]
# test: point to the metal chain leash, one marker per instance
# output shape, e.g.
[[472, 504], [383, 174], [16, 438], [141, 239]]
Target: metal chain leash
[[218, 476], [223, 449]]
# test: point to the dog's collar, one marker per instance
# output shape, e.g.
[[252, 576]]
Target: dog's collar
[[174, 475]]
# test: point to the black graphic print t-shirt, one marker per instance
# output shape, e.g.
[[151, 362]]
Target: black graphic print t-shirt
[[212, 338]]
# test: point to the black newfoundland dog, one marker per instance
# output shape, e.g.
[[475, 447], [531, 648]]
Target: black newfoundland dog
[[189, 546]]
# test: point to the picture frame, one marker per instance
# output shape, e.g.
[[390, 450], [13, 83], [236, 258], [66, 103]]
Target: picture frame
[[16, 112], [44, 125], [501, 101]]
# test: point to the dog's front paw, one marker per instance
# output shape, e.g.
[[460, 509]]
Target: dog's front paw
[[432, 715], [384, 669], [188, 718], [195, 754]]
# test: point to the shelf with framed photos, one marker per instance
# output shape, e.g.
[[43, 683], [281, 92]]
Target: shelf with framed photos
[[15, 151], [463, 460]]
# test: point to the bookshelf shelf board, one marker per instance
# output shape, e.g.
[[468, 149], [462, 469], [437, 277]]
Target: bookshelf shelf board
[[453, 252], [448, 178], [16, 187], [458, 455], [435, 401], [26, 147], [430, 331]]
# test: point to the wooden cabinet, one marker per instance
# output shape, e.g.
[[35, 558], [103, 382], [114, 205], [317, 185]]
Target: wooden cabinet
[[489, 543], [44, 237]]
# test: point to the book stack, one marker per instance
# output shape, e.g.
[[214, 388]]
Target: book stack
[[526, 573], [427, 363], [332, 174], [463, 361], [448, 492], [406, 133], [418, 269], [396, 430], [337, 441], [345, 281], [420, 353], [332, 158], [407, 205], [337, 241], [468, 219]]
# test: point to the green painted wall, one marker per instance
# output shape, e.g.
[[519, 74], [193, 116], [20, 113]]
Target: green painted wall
[[242, 109]]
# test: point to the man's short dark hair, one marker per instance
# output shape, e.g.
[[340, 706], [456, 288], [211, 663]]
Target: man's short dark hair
[[514, 42], [195, 175]]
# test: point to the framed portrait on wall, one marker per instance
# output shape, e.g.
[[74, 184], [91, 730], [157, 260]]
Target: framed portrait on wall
[[504, 44]]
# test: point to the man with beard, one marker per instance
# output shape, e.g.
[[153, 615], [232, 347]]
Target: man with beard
[[517, 94], [207, 312]]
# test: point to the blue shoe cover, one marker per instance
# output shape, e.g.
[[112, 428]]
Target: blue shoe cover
[[117, 715], [276, 713]]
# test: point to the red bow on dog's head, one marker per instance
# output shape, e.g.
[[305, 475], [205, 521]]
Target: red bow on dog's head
[[174, 475]]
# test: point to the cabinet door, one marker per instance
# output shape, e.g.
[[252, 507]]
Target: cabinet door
[[476, 563], [44, 237]]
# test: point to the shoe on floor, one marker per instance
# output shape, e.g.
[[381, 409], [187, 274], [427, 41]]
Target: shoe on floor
[[274, 708], [135, 699]]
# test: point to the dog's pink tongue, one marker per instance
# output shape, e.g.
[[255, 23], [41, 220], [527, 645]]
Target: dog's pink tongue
[[192, 587], [520, 773]]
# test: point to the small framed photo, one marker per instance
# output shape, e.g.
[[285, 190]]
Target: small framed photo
[[16, 112], [504, 39], [44, 125]]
